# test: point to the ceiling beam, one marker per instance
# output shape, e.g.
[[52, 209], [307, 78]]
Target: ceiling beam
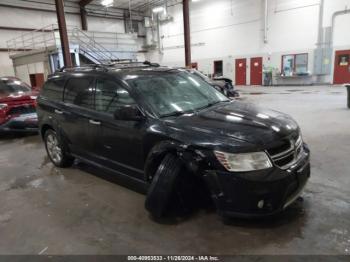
[[84, 3]]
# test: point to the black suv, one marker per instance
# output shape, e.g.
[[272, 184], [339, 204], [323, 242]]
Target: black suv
[[175, 134]]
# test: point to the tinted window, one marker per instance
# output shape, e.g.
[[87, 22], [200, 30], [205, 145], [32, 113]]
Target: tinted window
[[53, 89], [110, 96], [79, 91]]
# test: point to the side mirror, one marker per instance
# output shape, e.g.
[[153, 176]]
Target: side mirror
[[131, 113]]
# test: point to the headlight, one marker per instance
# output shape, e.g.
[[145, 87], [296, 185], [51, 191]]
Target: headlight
[[2, 106], [243, 162]]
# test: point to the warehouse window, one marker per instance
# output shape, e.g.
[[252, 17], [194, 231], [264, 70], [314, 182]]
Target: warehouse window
[[294, 64], [218, 68], [343, 60]]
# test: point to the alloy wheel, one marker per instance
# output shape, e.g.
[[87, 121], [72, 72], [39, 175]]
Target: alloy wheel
[[54, 148]]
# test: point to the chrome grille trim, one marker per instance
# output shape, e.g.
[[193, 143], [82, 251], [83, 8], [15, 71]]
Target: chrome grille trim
[[295, 151]]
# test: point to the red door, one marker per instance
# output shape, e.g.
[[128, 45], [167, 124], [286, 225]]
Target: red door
[[256, 71], [241, 71], [342, 67]]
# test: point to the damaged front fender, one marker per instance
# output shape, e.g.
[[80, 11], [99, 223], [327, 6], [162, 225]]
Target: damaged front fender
[[193, 159]]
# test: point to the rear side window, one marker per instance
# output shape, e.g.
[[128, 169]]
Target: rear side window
[[53, 89], [110, 96], [80, 92]]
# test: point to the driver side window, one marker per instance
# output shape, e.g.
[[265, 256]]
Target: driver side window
[[110, 96]]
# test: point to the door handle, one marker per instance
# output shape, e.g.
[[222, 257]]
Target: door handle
[[58, 112], [93, 122]]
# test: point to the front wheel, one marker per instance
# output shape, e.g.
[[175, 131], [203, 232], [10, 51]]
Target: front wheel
[[56, 150], [172, 189]]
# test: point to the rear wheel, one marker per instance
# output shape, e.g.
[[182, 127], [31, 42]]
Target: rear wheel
[[56, 150]]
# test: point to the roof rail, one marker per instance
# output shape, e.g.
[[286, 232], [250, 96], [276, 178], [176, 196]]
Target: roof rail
[[130, 64], [105, 67], [86, 66]]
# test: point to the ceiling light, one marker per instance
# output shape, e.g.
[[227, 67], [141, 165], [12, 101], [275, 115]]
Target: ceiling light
[[107, 2], [195, 0], [158, 9]]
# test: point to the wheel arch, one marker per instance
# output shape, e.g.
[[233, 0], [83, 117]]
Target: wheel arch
[[44, 128], [162, 148]]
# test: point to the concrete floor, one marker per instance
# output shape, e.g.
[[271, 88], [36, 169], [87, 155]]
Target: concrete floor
[[70, 211]]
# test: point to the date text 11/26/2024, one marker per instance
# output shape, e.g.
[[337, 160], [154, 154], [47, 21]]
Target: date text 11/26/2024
[[173, 258]]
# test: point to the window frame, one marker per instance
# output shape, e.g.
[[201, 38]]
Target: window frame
[[93, 92], [294, 64], [64, 80], [121, 85]]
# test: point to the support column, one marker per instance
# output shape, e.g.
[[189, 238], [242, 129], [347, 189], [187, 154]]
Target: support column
[[83, 19], [62, 27], [187, 36], [83, 13]]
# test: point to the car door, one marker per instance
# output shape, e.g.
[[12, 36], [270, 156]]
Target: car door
[[78, 101], [120, 144]]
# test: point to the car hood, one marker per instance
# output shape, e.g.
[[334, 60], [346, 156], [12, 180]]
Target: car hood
[[14, 97], [237, 120]]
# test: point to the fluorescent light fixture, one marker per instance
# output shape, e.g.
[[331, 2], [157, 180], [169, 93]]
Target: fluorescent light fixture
[[195, 0], [158, 9], [107, 2]]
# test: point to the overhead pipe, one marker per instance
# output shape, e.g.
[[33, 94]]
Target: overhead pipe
[[265, 20], [334, 16], [131, 29], [320, 24]]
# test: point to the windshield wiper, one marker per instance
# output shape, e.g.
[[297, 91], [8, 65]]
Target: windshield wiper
[[212, 104], [176, 113]]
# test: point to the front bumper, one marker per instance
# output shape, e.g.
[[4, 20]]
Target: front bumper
[[261, 194], [21, 123]]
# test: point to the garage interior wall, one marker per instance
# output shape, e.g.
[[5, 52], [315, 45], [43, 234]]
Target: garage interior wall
[[230, 29], [218, 31], [21, 18]]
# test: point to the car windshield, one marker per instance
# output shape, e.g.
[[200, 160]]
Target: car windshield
[[170, 93], [10, 86], [201, 75]]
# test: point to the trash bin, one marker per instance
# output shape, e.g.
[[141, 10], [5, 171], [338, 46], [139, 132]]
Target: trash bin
[[348, 88]]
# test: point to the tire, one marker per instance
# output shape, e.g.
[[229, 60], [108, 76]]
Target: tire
[[169, 193], [57, 150], [162, 186]]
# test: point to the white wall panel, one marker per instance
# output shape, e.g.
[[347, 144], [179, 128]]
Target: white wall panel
[[230, 29], [12, 17], [6, 68]]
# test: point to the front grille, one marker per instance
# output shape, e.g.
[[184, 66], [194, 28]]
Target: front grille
[[287, 154], [21, 110]]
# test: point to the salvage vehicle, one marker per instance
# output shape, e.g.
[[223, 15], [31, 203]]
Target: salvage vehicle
[[17, 106], [175, 134], [223, 84]]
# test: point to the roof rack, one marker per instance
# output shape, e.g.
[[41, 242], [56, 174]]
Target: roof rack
[[131, 64], [84, 67], [105, 67]]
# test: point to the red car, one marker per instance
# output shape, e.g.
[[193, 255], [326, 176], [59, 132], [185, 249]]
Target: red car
[[17, 106]]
